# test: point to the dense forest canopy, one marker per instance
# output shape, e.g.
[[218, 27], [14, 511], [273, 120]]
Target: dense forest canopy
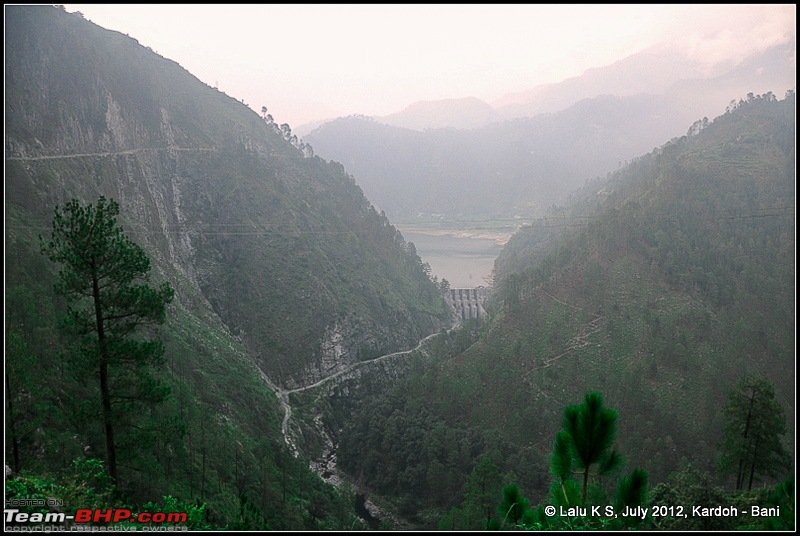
[[650, 286], [291, 327]]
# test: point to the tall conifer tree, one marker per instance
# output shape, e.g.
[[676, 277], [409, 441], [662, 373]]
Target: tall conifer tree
[[103, 275]]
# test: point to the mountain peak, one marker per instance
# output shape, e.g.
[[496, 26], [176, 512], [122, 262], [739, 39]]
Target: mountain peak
[[467, 112]]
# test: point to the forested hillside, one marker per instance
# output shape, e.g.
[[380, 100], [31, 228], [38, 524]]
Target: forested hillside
[[660, 286], [663, 292], [275, 255]]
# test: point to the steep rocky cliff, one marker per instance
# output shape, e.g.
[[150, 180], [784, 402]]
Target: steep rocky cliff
[[283, 249]]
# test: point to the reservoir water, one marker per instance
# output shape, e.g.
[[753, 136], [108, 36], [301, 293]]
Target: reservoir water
[[463, 256]]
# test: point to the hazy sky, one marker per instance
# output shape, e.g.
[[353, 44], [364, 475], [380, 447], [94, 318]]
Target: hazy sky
[[311, 62]]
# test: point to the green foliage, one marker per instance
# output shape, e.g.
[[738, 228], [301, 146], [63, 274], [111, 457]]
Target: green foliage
[[537, 520], [632, 490], [250, 517], [267, 248], [650, 287], [103, 275], [84, 484], [26, 404], [419, 459], [562, 456], [781, 498], [754, 423], [483, 491], [665, 297], [565, 493], [413, 451], [483, 501], [87, 485], [686, 488], [588, 438], [514, 506], [37, 489], [91, 473], [218, 400], [195, 514]]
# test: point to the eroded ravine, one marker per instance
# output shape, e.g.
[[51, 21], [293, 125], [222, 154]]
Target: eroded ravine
[[326, 467], [283, 394]]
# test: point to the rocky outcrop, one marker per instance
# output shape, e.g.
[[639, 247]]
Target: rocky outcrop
[[283, 249], [351, 347], [343, 344]]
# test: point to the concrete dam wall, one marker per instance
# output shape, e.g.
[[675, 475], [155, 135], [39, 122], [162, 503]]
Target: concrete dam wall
[[467, 303]]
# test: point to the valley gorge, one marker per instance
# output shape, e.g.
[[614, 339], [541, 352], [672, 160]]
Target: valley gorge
[[317, 374]]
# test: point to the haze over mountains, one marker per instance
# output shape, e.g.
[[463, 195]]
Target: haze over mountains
[[307, 339], [532, 149], [655, 71], [662, 72]]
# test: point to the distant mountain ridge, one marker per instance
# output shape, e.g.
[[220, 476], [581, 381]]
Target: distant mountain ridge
[[653, 72], [520, 166], [649, 72], [659, 286], [466, 113], [511, 168]]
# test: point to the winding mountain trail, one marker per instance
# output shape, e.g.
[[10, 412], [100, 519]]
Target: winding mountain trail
[[326, 467], [283, 398], [112, 153], [581, 340], [360, 363], [283, 394]]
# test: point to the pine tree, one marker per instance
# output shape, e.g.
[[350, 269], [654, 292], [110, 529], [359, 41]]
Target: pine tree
[[484, 491], [632, 490], [754, 424], [103, 275], [514, 505], [587, 438]]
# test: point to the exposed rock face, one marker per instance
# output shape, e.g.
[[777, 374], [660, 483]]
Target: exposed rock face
[[467, 303], [344, 343], [281, 248], [349, 342]]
